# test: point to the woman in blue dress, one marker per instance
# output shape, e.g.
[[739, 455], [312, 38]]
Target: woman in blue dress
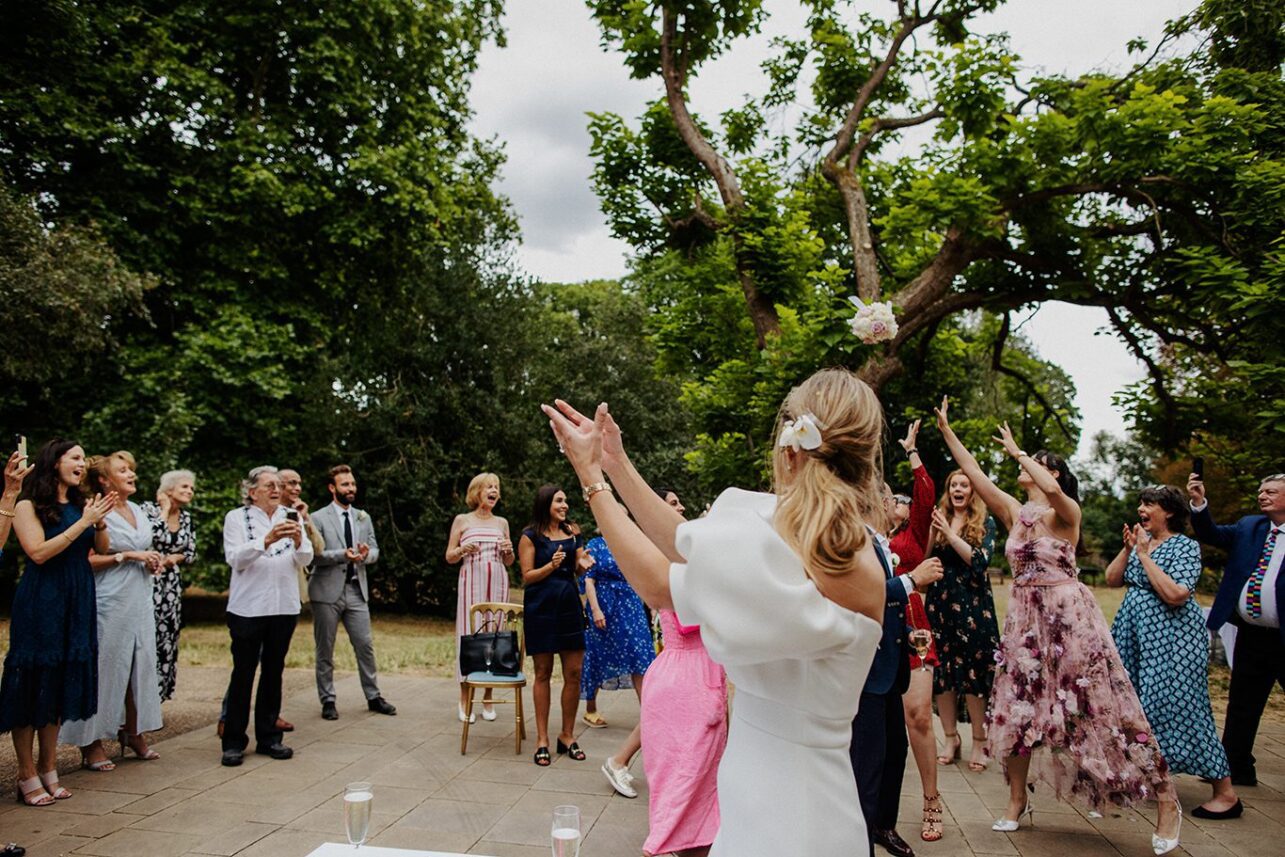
[[1160, 632], [51, 670], [550, 554]]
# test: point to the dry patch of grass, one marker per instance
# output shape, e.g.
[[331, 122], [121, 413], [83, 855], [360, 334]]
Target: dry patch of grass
[[403, 644]]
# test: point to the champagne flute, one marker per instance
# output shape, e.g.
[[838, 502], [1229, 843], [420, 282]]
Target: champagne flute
[[566, 831], [921, 639], [357, 800]]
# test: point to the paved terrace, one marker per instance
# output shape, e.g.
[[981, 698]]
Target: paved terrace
[[492, 802]]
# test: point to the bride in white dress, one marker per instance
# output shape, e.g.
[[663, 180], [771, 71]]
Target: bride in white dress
[[788, 591]]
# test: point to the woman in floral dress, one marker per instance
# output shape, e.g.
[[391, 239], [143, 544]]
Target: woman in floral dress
[[961, 610], [1062, 710], [175, 540]]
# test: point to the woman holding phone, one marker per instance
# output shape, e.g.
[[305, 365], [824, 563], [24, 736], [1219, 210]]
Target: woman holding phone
[[550, 553], [50, 672]]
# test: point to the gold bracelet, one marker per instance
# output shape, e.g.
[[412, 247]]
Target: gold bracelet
[[7, 513], [591, 491]]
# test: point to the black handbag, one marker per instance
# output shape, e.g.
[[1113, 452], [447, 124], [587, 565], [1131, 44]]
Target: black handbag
[[502, 646]]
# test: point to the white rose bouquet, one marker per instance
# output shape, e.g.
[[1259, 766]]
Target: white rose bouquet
[[874, 321]]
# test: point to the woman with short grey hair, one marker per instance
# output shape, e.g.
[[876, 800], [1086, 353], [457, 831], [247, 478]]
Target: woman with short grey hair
[[175, 540]]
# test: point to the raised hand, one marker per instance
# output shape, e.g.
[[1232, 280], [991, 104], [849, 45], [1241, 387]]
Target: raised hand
[[912, 435], [97, 508], [14, 473], [1142, 540], [943, 422], [1129, 540], [940, 521], [579, 437], [165, 502], [1005, 439], [1196, 490]]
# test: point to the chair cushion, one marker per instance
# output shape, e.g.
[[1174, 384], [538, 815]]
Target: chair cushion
[[487, 678]]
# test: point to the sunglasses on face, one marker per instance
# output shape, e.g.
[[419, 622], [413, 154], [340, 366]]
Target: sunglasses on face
[[901, 499]]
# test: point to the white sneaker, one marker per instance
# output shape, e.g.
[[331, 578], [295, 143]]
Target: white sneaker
[[472, 718], [619, 777]]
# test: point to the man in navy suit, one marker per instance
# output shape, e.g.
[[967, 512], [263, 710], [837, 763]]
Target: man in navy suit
[[1251, 596], [879, 744]]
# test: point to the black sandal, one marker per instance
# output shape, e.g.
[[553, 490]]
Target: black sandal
[[573, 752], [542, 757]]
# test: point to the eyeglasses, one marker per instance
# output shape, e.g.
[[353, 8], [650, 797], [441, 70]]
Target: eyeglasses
[[901, 499]]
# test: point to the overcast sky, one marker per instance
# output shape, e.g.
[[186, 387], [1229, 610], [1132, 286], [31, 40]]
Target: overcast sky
[[535, 93]]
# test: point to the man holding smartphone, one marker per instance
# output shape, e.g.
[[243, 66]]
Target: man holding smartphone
[[339, 592], [263, 546], [1250, 596]]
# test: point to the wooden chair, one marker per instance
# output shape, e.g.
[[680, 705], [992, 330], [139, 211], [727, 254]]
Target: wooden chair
[[497, 615]]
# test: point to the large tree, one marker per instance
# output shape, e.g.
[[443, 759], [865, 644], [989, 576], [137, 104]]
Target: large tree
[[1142, 193]]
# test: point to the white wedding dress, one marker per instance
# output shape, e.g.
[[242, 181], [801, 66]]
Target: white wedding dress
[[798, 661]]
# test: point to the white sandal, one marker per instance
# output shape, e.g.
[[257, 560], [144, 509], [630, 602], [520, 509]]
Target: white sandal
[[32, 793], [49, 780]]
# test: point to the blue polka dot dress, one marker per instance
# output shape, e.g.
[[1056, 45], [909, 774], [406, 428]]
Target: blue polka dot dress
[[624, 648], [1165, 650]]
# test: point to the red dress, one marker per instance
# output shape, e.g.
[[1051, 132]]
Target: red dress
[[910, 545]]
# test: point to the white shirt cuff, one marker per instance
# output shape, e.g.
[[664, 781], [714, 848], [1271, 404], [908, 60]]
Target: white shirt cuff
[[1201, 507], [909, 584]]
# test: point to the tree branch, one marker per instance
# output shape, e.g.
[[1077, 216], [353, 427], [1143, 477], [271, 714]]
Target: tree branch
[[888, 124], [1140, 351], [997, 363]]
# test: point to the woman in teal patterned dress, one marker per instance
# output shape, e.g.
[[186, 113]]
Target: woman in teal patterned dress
[[1160, 632]]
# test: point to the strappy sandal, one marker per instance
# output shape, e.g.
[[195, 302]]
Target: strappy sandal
[[49, 780], [542, 757], [128, 741], [979, 746], [32, 793], [102, 766], [932, 827], [949, 758], [572, 752]]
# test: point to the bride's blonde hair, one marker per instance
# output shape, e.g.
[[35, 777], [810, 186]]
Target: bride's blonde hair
[[823, 506]]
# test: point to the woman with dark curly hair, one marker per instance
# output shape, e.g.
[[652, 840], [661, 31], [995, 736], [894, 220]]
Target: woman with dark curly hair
[[1164, 645]]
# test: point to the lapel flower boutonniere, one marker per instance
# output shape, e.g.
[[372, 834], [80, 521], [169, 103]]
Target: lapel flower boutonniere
[[361, 516], [894, 559]]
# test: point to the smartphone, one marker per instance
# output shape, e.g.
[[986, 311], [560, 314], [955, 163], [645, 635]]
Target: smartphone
[[20, 443], [1198, 467], [292, 515]]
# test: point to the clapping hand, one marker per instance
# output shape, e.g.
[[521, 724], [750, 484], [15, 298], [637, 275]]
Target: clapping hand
[[1142, 540], [14, 473], [354, 555], [1129, 540], [1005, 439], [97, 508], [912, 435], [363, 551], [581, 439]]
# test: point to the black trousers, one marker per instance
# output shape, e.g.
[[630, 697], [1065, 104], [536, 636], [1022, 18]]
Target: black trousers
[[878, 752], [1258, 663], [256, 640]]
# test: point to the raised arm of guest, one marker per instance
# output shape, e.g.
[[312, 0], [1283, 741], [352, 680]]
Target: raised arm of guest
[[1002, 505]]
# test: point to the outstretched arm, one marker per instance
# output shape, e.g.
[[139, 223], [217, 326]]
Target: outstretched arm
[[1002, 505], [1064, 507], [641, 560]]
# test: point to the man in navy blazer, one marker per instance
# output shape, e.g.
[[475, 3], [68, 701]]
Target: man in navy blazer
[[879, 744], [1251, 596]]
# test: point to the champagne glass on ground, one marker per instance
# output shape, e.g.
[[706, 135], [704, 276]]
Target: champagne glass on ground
[[357, 800], [921, 639], [566, 831]]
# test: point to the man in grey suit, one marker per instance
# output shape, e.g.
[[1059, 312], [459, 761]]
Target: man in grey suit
[[338, 591]]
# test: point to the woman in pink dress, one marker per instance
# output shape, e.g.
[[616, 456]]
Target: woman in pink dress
[[480, 539], [1062, 707], [684, 731]]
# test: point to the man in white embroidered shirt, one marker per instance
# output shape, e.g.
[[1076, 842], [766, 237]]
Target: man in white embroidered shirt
[[264, 543]]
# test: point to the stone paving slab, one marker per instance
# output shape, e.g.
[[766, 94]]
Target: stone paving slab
[[492, 801]]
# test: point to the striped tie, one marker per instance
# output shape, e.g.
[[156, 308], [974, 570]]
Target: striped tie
[[1254, 592]]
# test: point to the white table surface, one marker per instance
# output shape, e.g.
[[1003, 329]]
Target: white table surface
[[334, 849]]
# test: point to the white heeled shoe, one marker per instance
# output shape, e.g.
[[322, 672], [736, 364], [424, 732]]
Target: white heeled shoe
[[1008, 825], [472, 718], [488, 712], [1159, 844]]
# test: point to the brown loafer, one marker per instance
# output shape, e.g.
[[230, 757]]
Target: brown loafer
[[285, 725]]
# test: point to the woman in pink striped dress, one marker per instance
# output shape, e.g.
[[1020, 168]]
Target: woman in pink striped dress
[[480, 538]]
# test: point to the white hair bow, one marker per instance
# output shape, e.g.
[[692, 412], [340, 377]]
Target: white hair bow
[[801, 433]]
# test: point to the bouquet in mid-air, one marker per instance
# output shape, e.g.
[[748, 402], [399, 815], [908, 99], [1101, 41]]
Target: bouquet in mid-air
[[874, 321]]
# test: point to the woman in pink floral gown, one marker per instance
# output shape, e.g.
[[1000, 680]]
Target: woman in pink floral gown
[[1062, 707]]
